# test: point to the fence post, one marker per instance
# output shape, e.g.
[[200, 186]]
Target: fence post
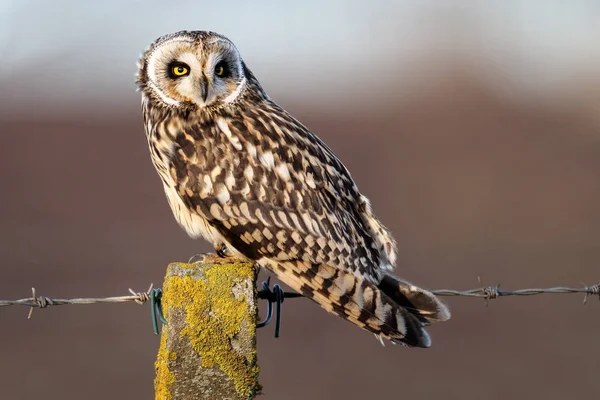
[[208, 348]]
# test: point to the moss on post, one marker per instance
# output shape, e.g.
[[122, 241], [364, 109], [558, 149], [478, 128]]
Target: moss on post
[[208, 348]]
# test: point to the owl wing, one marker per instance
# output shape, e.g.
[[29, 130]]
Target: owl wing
[[273, 189], [279, 196]]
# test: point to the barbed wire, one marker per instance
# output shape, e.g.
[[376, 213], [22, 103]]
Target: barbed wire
[[493, 292], [43, 301], [487, 293]]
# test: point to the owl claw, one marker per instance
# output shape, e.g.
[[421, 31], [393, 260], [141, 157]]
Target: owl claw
[[222, 250], [196, 258], [211, 258]]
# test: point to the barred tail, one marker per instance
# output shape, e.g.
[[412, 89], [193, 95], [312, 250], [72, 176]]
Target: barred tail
[[352, 298], [419, 302]]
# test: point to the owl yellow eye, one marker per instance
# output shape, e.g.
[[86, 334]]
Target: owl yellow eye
[[180, 70], [222, 70]]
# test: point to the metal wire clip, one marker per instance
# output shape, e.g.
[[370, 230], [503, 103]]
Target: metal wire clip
[[276, 295]]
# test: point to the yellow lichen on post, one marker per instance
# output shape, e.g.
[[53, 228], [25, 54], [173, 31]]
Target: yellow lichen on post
[[164, 377], [208, 347]]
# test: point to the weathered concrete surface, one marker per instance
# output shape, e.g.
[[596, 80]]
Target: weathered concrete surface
[[208, 347]]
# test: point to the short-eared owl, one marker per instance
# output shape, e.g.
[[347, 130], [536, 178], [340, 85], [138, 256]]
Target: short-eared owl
[[241, 172]]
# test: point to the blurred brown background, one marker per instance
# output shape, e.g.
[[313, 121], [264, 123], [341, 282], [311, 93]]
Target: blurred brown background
[[473, 129]]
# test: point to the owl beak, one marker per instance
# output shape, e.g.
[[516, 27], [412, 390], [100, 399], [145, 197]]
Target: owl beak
[[204, 89]]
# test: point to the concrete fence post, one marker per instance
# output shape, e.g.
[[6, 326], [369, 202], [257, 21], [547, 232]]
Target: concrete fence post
[[208, 348]]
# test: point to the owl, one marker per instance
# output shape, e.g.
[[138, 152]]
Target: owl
[[242, 173]]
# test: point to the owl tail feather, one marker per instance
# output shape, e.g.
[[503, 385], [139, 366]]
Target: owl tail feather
[[353, 299], [421, 303]]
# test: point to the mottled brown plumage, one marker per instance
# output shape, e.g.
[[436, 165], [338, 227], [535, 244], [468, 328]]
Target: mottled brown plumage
[[241, 172]]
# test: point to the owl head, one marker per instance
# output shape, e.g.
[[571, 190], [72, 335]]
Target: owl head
[[192, 70]]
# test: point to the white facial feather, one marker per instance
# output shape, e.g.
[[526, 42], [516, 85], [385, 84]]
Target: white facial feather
[[235, 94], [157, 56], [188, 86]]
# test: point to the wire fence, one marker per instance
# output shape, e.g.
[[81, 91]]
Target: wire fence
[[493, 292], [485, 292], [42, 301]]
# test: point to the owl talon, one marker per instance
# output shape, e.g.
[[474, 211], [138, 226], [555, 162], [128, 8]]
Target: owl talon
[[222, 250], [196, 258]]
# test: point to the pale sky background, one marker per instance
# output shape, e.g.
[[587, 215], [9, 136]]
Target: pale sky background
[[473, 126], [339, 52]]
